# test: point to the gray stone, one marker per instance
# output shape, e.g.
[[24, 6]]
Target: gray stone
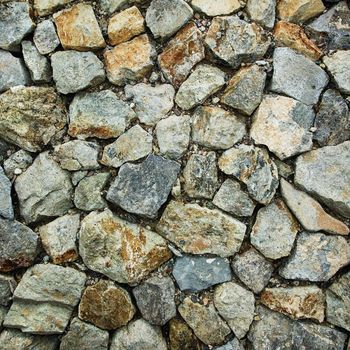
[[44, 190], [45, 37], [196, 273], [6, 208], [77, 176], [19, 245], [17, 163], [46, 7], [233, 344], [156, 300], [317, 257], [297, 76], [98, 114], [7, 286], [143, 188], [111, 6], [262, 12], [205, 81], [74, 71], [165, 17]]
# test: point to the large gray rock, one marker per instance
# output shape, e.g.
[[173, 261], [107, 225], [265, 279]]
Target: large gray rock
[[262, 12], [7, 286], [45, 37], [6, 209]]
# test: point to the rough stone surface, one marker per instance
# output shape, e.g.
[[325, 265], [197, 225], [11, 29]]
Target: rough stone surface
[[262, 12], [181, 336], [299, 10], [17, 163], [46, 7], [45, 37], [233, 344], [6, 208], [7, 286], [216, 7]]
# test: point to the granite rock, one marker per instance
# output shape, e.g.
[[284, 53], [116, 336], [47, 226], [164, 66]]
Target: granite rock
[[262, 12], [45, 37]]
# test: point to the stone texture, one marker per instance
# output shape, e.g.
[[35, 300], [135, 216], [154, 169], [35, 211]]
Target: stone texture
[[74, 71], [110, 6], [6, 208], [181, 336], [7, 286], [299, 10], [196, 273], [233, 344], [297, 76], [252, 166], [122, 251], [199, 230], [282, 124], [262, 12], [317, 257], [98, 114], [216, 7], [45, 37], [46, 7], [143, 188]]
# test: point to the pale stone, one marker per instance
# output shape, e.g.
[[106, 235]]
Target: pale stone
[[216, 7], [262, 12], [46, 7], [45, 37]]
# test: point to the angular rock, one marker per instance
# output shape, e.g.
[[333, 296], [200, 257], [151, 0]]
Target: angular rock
[[297, 76], [6, 208], [122, 251], [317, 257], [7, 286], [98, 114], [216, 8], [196, 273], [205, 81], [45, 37], [215, 128], [46, 7], [234, 344], [181, 336], [252, 166], [299, 11], [262, 12], [199, 230], [77, 176], [123, 65], [17, 163]]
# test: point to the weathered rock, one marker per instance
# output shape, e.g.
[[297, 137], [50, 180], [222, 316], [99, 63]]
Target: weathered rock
[[252, 166], [236, 305], [98, 114], [15, 24], [262, 12], [317, 257], [285, 170], [325, 174], [17, 163], [46, 7], [205, 80], [6, 209], [215, 128], [181, 54], [216, 8], [123, 65], [199, 230], [282, 124], [309, 212], [237, 42], [155, 299], [7, 286], [19, 245], [173, 135], [45, 37], [77, 176], [111, 6], [198, 317], [45, 298], [82, 335], [195, 273], [181, 336], [59, 236], [122, 251], [297, 76], [143, 188], [233, 344], [299, 10], [152, 103]]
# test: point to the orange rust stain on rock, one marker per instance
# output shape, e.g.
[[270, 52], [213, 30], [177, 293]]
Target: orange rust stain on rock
[[101, 132]]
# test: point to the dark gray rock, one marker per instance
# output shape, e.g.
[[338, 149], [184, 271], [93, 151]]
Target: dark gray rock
[[45, 37], [6, 209], [7, 287]]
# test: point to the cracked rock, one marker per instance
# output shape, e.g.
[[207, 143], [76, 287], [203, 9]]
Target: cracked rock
[[45, 37], [217, 8], [6, 208]]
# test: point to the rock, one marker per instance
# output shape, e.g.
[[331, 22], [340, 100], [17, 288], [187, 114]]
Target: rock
[[7, 286], [216, 8], [181, 336], [338, 302], [77, 176], [252, 166], [82, 335], [45, 298], [110, 6], [238, 41], [199, 230], [325, 174], [19, 245], [6, 209], [245, 89], [155, 299], [198, 317], [122, 65], [201, 176], [232, 199], [338, 66], [12, 71], [59, 238], [282, 124], [122, 251], [125, 25], [297, 76], [15, 24], [196, 273], [78, 29], [236, 305], [46, 7], [173, 135], [262, 12], [44, 190], [332, 120], [137, 335], [106, 305], [98, 114], [309, 212], [215, 128], [143, 188], [294, 37], [166, 17], [205, 81], [299, 11], [284, 170], [234, 344], [41, 116], [45, 37], [296, 302], [181, 54], [317, 257]]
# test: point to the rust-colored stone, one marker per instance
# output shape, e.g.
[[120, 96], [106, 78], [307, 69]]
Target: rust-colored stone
[[181, 336]]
